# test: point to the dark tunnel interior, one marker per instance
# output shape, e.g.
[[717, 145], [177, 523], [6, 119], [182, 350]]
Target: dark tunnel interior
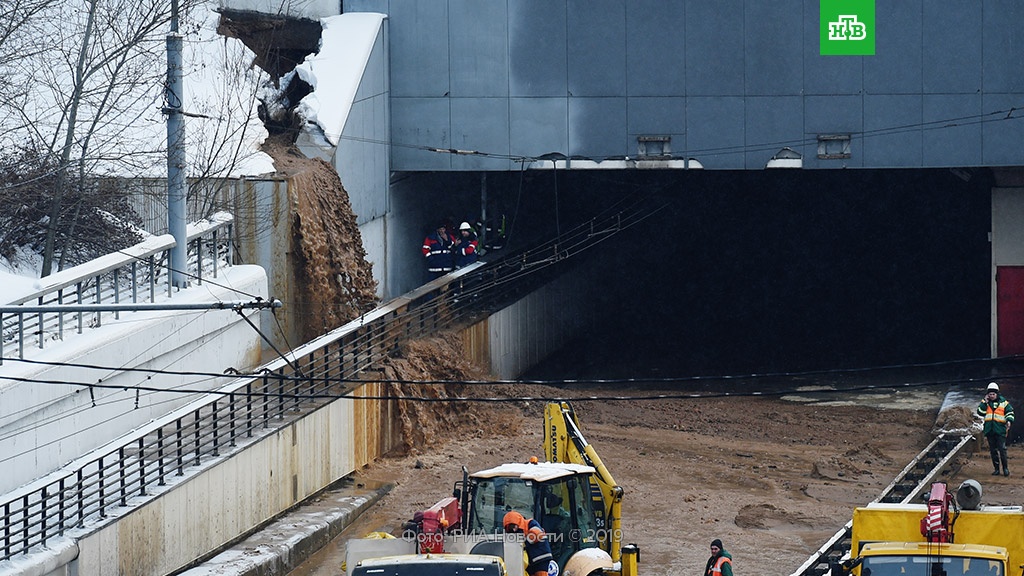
[[744, 272]]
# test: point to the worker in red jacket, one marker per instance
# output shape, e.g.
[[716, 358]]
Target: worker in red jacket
[[538, 551], [466, 245], [437, 250]]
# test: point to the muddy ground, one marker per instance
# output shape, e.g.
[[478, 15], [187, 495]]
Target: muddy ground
[[774, 477]]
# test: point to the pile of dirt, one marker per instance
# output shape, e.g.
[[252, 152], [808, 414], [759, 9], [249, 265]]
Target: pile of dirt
[[431, 416], [957, 419]]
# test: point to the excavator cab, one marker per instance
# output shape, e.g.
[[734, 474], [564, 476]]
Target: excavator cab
[[556, 495]]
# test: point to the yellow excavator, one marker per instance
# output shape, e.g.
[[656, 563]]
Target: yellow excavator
[[572, 495]]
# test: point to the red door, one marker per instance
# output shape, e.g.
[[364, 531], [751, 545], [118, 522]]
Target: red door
[[1009, 310]]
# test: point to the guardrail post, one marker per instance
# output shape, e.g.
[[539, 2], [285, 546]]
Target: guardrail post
[[216, 253], [266, 400], [117, 292], [81, 498], [248, 410], [60, 315], [42, 515], [142, 467], [216, 429], [61, 507], [160, 456], [7, 531], [99, 300], [21, 336], [152, 278], [197, 420], [199, 260], [80, 314], [103, 489], [181, 453], [26, 540], [135, 283], [232, 411], [280, 393], [40, 325], [122, 476]]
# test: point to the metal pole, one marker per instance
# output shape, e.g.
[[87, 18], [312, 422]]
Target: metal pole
[[176, 185], [483, 210]]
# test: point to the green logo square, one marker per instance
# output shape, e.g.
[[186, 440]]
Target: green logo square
[[847, 27]]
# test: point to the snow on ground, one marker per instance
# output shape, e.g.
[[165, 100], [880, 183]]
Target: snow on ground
[[19, 278]]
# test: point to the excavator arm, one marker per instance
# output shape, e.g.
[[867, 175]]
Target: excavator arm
[[564, 442]]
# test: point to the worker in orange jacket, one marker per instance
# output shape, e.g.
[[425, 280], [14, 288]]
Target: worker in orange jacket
[[538, 551]]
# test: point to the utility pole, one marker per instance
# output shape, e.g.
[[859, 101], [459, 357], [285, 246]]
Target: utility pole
[[177, 188]]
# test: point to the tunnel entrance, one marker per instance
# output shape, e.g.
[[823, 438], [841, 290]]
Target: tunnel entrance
[[779, 270]]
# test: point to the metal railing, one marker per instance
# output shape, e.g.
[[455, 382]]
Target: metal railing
[[134, 275], [132, 468]]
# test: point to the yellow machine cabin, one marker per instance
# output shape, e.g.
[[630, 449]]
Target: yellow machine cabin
[[937, 539]]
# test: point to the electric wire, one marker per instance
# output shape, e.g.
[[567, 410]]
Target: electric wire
[[561, 381], [802, 390]]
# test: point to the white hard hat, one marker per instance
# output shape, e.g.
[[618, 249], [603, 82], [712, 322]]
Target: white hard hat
[[993, 387], [465, 226]]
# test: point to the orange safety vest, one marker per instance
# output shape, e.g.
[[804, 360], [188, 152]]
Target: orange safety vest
[[997, 414], [716, 569]]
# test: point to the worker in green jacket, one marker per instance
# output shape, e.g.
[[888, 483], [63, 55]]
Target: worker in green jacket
[[998, 415], [720, 562]]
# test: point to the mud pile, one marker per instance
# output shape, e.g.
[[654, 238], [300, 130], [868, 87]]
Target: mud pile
[[433, 418]]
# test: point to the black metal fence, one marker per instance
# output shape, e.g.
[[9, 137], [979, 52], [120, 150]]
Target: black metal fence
[[134, 275]]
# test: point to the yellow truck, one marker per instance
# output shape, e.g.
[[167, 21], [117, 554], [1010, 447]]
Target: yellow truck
[[938, 538]]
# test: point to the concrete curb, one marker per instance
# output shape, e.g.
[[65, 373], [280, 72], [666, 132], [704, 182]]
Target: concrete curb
[[291, 539]]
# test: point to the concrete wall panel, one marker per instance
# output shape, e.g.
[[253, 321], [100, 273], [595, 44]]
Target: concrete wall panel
[[886, 147], [419, 123], [946, 22], [718, 71], [715, 145], [481, 124], [597, 128], [538, 61], [773, 44], [952, 115], [899, 41], [597, 58], [538, 126], [1001, 137], [478, 48], [655, 48], [421, 57]]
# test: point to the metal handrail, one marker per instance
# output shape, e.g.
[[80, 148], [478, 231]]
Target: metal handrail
[[130, 469], [130, 275]]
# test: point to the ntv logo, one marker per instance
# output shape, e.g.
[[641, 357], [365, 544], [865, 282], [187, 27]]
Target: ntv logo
[[847, 27]]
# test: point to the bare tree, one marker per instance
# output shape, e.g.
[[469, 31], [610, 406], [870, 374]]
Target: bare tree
[[89, 98]]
